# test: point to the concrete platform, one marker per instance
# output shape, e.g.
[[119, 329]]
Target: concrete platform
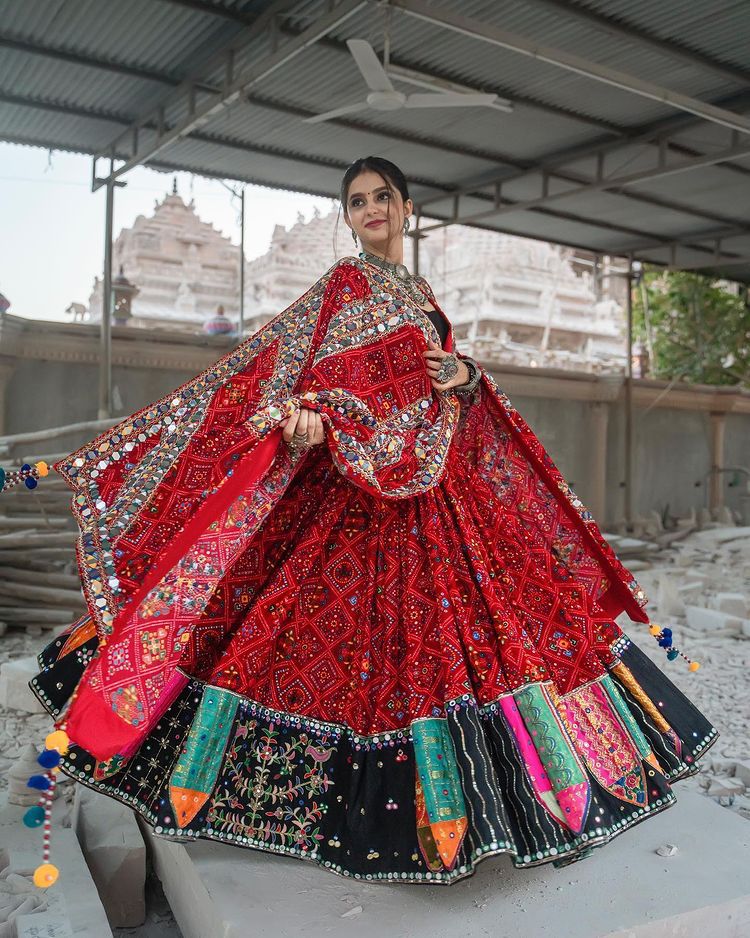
[[624, 890]]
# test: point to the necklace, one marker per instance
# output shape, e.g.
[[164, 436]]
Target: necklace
[[401, 273]]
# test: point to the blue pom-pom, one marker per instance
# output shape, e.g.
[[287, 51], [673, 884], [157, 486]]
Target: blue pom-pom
[[49, 758], [30, 482], [671, 655], [34, 816], [38, 781], [665, 642], [2, 479], [25, 467], [667, 633]]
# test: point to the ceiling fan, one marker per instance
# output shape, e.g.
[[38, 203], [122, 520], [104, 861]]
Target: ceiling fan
[[384, 97]]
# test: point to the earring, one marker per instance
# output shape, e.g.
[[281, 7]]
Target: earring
[[407, 225], [354, 236]]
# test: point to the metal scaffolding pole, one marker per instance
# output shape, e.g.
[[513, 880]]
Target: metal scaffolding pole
[[417, 234], [241, 196], [629, 405], [241, 323], [105, 333]]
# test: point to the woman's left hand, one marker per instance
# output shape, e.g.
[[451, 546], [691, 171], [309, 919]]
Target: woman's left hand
[[434, 356]]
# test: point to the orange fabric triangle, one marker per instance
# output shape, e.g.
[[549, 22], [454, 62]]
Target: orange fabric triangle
[[448, 838], [186, 803], [80, 635]]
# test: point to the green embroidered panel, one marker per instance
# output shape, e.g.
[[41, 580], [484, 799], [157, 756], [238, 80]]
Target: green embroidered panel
[[555, 751], [626, 716], [198, 766], [438, 771]]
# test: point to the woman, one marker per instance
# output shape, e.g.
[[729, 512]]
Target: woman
[[343, 606]]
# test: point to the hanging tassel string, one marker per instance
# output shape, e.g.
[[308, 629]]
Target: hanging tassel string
[[663, 637], [41, 814]]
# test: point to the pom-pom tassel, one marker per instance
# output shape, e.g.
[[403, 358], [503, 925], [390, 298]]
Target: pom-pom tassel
[[28, 475], [663, 637]]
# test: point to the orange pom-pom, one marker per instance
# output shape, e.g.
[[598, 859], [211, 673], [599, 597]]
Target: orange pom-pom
[[45, 875], [694, 665], [58, 740], [42, 468], [654, 629]]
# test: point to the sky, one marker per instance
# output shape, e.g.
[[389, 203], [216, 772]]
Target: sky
[[52, 225]]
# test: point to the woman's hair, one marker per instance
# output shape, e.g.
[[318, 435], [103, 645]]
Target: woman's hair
[[388, 172]]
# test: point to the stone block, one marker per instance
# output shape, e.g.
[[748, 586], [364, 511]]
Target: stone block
[[116, 855], [742, 771], [734, 604], [15, 693], [623, 889], [726, 788], [690, 591], [668, 600], [710, 620]]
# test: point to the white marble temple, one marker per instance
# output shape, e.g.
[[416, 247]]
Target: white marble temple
[[510, 299]]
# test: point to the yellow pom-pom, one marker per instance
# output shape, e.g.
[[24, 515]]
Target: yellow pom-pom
[[45, 875], [694, 665], [42, 468], [654, 629], [58, 740]]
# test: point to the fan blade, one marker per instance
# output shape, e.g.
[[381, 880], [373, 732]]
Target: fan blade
[[336, 112], [449, 100], [369, 64]]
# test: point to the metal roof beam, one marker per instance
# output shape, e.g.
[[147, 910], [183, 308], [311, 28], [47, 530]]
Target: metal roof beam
[[559, 58], [733, 261], [600, 184], [635, 34], [549, 164], [55, 107], [651, 134], [88, 61], [692, 240], [199, 113], [214, 9]]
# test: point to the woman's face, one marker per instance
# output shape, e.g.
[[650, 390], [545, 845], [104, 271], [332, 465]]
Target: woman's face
[[375, 212]]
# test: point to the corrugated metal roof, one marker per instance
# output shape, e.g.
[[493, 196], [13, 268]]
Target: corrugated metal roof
[[76, 74]]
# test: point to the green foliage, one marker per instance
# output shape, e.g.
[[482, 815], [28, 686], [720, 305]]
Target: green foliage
[[694, 328]]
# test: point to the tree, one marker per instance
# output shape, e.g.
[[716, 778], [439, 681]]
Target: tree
[[694, 328]]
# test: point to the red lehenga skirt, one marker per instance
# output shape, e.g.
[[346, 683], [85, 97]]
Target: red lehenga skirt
[[408, 687]]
